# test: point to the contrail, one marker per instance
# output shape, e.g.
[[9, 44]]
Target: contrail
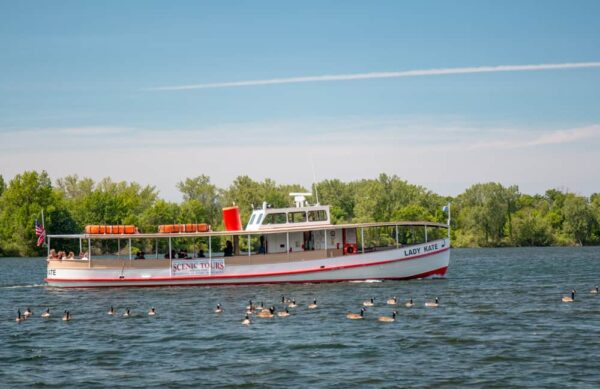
[[375, 75]]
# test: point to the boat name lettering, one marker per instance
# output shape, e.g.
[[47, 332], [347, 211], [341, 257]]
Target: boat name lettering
[[414, 251], [431, 247], [198, 266]]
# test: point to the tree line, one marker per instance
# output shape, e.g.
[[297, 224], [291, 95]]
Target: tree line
[[484, 215]]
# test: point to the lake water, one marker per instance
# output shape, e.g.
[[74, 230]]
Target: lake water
[[501, 323]]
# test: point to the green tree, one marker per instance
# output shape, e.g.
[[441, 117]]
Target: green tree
[[531, 229], [578, 218], [484, 210], [339, 196], [200, 190], [2, 185], [20, 205]]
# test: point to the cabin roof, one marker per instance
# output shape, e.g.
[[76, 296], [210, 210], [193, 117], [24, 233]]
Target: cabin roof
[[273, 230]]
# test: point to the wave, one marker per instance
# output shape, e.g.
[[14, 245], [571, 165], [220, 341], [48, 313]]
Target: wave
[[22, 286], [366, 281]]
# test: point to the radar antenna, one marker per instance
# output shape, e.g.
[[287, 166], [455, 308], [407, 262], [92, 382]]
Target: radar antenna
[[300, 198]]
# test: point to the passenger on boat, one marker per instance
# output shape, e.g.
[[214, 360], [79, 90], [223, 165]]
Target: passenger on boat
[[201, 254], [62, 255], [228, 251], [53, 256], [140, 255], [262, 249], [84, 256], [71, 255]]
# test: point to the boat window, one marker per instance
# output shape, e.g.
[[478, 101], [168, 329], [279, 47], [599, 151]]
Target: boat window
[[317, 216], [297, 217], [275, 218], [252, 218], [259, 218]]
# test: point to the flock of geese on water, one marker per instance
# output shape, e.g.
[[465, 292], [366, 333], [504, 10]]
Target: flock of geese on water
[[262, 312]]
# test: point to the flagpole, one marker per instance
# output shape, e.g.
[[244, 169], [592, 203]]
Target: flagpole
[[448, 221], [44, 227]]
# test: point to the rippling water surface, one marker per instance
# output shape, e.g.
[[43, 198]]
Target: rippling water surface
[[501, 323]]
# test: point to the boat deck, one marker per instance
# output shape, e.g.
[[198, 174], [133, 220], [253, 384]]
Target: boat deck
[[254, 259]]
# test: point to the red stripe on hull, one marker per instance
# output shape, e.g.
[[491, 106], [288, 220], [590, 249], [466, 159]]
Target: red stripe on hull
[[242, 275]]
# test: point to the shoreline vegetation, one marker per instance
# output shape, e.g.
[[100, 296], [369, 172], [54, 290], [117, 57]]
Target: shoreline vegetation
[[484, 215]]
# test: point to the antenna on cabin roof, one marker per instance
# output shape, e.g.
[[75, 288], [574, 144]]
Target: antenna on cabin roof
[[300, 198], [312, 163]]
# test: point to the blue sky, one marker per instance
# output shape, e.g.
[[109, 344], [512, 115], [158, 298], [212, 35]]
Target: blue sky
[[78, 85]]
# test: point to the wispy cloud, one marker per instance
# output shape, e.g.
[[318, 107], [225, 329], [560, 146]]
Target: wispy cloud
[[376, 75], [513, 140], [93, 131]]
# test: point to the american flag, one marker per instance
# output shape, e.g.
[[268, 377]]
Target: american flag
[[40, 232]]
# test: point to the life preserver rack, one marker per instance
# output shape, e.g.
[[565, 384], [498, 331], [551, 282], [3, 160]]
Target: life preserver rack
[[127, 229], [177, 228]]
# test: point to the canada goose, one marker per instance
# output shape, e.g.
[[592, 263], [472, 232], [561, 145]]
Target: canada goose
[[313, 305], [19, 317], [410, 303], [127, 313], [292, 304], [433, 304], [392, 301], [47, 313], [246, 321], [152, 312], [594, 291], [111, 311], [27, 313], [356, 316], [250, 306], [567, 299], [266, 314], [285, 313], [369, 303], [388, 319], [219, 309], [66, 316]]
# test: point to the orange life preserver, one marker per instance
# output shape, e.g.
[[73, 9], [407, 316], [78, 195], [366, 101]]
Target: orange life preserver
[[91, 229], [202, 227], [350, 248]]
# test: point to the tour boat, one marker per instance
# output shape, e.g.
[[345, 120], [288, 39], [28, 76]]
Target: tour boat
[[279, 245]]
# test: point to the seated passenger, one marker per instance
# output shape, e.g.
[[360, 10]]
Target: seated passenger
[[52, 256], [84, 256], [201, 254], [140, 255], [71, 255], [228, 251]]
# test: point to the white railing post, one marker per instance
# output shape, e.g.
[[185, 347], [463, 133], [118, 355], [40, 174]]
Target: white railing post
[[210, 255], [397, 238], [170, 259], [362, 239]]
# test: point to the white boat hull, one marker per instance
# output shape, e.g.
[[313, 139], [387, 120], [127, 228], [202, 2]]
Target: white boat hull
[[419, 261]]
